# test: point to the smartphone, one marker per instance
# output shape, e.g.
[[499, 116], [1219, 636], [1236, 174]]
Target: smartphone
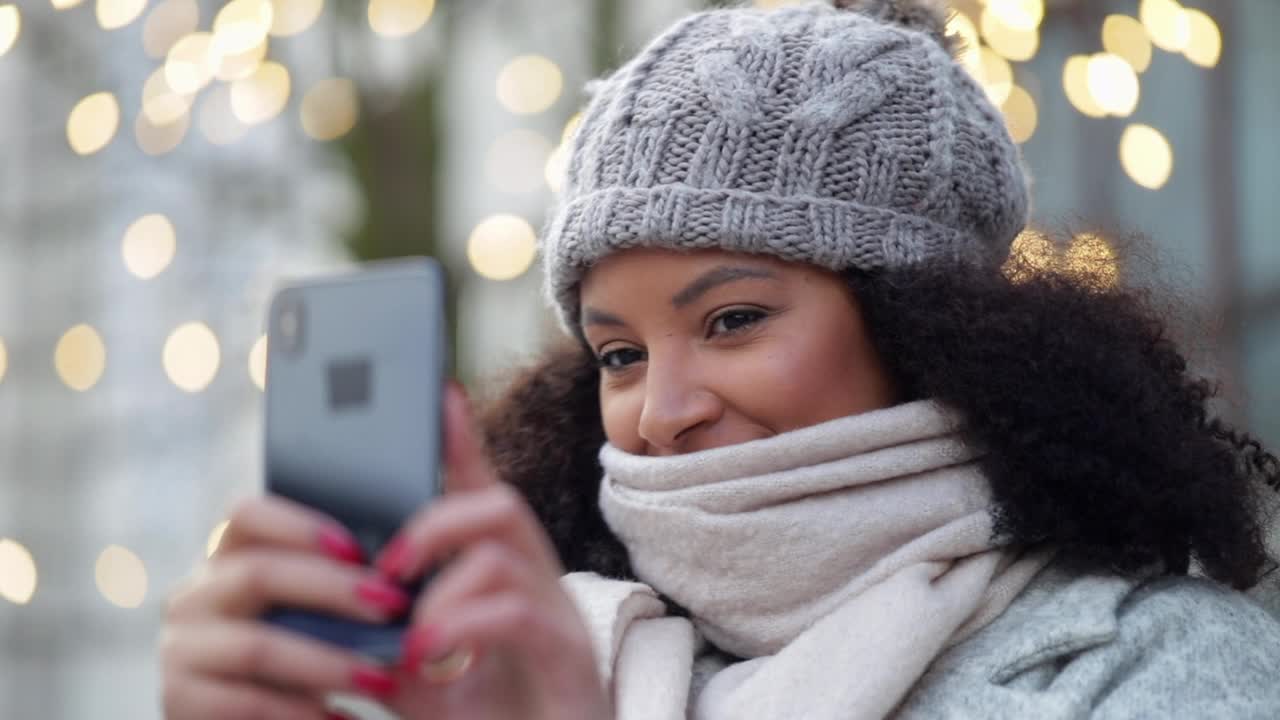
[[356, 365]]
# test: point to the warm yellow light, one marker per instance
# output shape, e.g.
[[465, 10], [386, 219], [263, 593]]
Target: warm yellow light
[[113, 14], [516, 162], [397, 18], [160, 104], [1146, 156], [93, 122], [330, 109], [1075, 81], [258, 363], [997, 76], [557, 168], [261, 96], [4, 360], [963, 28], [1020, 114], [294, 16], [773, 4], [1031, 254], [121, 577], [239, 67], [529, 84], [1087, 257], [241, 26], [571, 129], [1167, 24], [1125, 37], [10, 27], [191, 356], [1017, 14], [17, 572], [1204, 47], [1090, 255], [1113, 84], [168, 22], [217, 122], [156, 139], [1017, 44], [190, 64], [502, 247], [149, 245], [215, 538], [80, 358], [64, 4]]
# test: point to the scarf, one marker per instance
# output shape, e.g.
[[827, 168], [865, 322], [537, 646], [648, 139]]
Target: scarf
[[839, 560]]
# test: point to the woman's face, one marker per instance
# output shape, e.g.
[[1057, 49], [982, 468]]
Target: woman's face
[[712, 348]]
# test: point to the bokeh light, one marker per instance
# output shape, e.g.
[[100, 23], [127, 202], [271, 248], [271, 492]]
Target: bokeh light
[[121, 577], [1147, 157], [241, 65], [258, 363], [261, 96], [502, 247], [294, 16], [241, 26], [115, 14], [397, 18], [149, 245], [64, 4], [571, 128], [516, 161], [1020, 114], [10, 27], [1090, 255], [557, 169], [93, 123], [529, 84], [4, 360], [1125, 37], [17, 572], [191, 63], [1012, 43], [330, 109], [156, 139], [1113, 84], [217, 122], [80, 357], [1167, 24], [1022, 15], [191, 356], [1204, 47], [997, 76], [1075, 81], [167, 23], [961, 27], [215, 538], [160, 103]]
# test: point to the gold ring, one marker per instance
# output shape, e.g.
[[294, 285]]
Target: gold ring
[[448, 668]]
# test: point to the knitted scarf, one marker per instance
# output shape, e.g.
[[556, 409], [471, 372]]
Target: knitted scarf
[[838, 559]]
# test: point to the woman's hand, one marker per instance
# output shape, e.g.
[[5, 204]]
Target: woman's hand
[[497, 599], [219, 661]]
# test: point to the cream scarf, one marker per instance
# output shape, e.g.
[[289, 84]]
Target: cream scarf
[[839, 559]]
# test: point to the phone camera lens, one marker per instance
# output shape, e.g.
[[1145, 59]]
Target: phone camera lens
[[290, 324]]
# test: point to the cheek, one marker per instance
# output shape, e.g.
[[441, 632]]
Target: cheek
[[620, 410]]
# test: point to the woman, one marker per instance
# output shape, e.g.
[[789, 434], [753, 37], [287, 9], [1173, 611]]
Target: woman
[[857, 462]]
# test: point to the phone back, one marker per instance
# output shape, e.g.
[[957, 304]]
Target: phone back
[[355, 371]]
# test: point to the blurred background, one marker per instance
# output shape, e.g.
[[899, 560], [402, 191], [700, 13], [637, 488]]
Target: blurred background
[[165, 163]]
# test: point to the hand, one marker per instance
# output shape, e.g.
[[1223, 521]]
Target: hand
[[219, 661], [498, 598]]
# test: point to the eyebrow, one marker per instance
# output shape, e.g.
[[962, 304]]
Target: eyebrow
[[713, 278]]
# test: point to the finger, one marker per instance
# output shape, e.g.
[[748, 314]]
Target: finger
[[243, 650], [466, 465], [486, 568], [198, 698], [249, 582], [451, 523], [278, 521]]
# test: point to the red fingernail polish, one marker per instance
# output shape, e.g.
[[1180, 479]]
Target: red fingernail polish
[[392, 560], [373, 681], [338, 544], [418, 642], [383, 595]]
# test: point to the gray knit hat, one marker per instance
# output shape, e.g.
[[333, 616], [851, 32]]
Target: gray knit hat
[[843, 138]]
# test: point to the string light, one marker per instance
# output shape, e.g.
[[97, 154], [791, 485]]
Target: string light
[[191, 356], [93, 123], [168, 22], [1090, 255], [1147, 157], [1167, 24], [1020, 114], [121, 577], [397, 18], [243, 65], [160, 103], [1024, 15], [294, 16], [1075, 81], [1113, 84], [1125, 37], [502, 247], [258, 363], [17, 572], [261, 96], [218, 123], [997, 76], [115, 14], [155, 139], [64, 4], [80, 358], [10, 27], [330, 109], [1017, 44], [190, 64], [241, 26], [1204, 47], [529, 84], [149, 245], [962, 28]]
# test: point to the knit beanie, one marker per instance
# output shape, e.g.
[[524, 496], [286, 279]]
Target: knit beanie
[[845, 137]]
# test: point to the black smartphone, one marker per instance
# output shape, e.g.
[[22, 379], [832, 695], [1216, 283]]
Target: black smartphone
[[356, 365]]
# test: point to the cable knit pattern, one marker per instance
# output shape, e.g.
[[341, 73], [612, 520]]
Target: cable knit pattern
[[806, 133]]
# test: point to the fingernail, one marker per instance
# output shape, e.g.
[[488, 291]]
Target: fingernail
[[418, 643], [383, 595], [338, 544], [392, 560], [373, 681]]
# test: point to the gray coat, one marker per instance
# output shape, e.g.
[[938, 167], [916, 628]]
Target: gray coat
[[1095, 646]]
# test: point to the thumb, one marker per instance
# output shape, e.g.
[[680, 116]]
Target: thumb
[[466, 465]]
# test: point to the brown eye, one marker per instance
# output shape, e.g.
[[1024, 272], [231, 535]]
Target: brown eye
[[618, 359], [735, 320]]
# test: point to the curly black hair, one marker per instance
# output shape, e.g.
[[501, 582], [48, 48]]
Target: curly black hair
[[1098, 438]]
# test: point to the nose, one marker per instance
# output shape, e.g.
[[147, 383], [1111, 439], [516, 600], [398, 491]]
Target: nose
[[677, 405]]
